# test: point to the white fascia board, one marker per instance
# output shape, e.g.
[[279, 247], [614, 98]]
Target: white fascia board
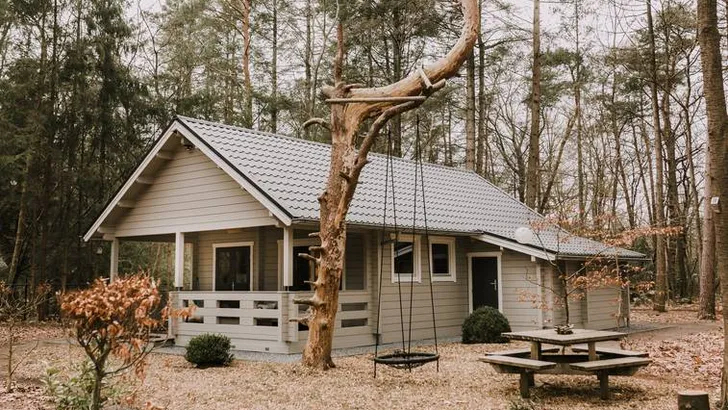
[[515, 246], [175, 126]]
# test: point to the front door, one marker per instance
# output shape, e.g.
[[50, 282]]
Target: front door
[[484, 274], [232, 268]]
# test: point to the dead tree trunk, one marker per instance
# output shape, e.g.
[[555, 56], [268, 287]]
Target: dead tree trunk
[[351, 106]]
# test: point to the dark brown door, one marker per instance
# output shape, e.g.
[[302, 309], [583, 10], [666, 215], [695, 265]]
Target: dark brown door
[[485, 281], [232, 268]]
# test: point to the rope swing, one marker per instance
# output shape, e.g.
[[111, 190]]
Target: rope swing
[[404, 358]]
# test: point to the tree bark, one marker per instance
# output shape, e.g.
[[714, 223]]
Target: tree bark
[[710, 57], [660, 268], [482, 149], [248, 107], [470, 112], [345, 166], [707, 261], [274, 72], [20, 228], [534, 146]]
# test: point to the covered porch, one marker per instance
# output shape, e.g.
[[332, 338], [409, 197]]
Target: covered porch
[[243, 282]]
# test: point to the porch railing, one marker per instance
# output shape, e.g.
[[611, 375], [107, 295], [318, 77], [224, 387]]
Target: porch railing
[[264, 316]]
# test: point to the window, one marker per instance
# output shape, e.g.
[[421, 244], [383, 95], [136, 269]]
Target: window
[[232, 266], [406, 259], [442, 259]]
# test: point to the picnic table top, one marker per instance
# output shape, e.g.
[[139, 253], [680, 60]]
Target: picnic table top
[[551, 337]]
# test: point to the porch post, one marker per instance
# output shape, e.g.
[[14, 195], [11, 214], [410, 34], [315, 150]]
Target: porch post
[[287, 257], [179, 259], [114, 260]]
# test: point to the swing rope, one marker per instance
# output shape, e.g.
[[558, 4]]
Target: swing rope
[[405, 359]]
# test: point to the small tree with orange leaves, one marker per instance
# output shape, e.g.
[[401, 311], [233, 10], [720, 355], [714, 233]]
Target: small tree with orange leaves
[[603, 269], [115, 319]]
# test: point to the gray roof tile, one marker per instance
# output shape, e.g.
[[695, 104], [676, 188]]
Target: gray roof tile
[[293, 172]]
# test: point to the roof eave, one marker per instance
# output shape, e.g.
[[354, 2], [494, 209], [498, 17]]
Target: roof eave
[[178, 126], [515, 246]]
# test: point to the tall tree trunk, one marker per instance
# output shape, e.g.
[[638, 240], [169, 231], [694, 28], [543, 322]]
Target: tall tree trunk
[[274, 72], [308, 57], [579, 134], [248, 107], [397, 51], [20, 227], [707, 260], [534, 146], [660, 268], [483, 156], [345, 166], [710, 55], [470, 112]]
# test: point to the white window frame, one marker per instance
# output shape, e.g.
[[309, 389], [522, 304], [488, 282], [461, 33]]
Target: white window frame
[[499, 256], [416, 276], [452, 263], [215, 246]]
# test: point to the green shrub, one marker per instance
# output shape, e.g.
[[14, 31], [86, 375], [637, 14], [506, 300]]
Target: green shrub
[[75, 391], [485, 325], [209, 350]]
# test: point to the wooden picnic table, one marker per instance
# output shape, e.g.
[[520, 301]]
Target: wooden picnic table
[[601, 362], [549, 336]]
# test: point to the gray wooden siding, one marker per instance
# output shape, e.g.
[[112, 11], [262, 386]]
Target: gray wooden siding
[[269, 238], [520, 286], [451, 300], [190, 193], [602, 306]]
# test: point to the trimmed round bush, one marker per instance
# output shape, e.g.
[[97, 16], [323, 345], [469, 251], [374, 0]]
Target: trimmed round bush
[[209, 350], [485, 325]]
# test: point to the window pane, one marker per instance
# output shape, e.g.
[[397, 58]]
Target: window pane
[[403, 258], [440, 259]]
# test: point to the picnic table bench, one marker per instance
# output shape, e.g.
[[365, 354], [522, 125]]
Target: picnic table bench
[[599, 361], [525, 367], [609, 351]]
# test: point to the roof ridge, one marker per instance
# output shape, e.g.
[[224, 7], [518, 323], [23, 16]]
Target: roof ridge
[[323, 144]]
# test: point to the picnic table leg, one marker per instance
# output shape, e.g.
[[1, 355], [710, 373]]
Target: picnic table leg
[[536, 350], [603, 385], [524, 385], [592, 351]]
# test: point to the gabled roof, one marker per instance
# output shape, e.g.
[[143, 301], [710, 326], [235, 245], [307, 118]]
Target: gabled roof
[[293, 172], [287, 175]]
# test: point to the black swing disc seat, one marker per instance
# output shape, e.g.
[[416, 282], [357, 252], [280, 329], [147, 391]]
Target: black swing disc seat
[[404, 360]]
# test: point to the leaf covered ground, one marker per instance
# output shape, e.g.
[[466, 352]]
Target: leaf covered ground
[[682, 360]]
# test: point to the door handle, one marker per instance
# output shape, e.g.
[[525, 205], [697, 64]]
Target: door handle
[[495, 284]]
